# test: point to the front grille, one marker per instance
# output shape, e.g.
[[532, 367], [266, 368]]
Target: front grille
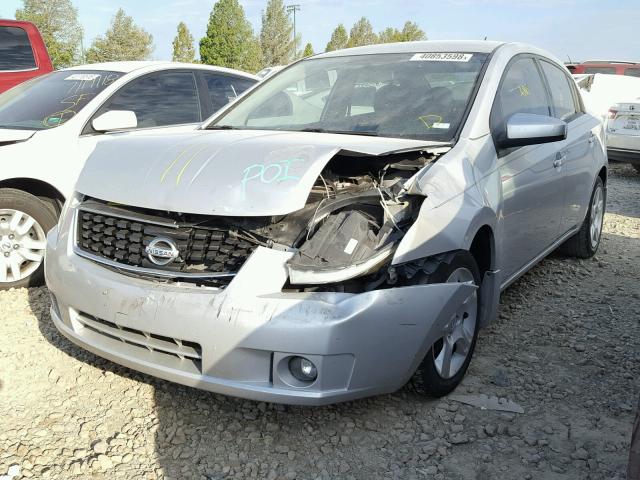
[[119, 239], [188, 354]]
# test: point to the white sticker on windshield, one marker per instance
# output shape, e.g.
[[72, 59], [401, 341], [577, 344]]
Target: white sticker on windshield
[[441, 125], [83, 77], [442, 57]]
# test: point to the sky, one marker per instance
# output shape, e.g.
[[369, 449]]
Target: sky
[[571, 29]]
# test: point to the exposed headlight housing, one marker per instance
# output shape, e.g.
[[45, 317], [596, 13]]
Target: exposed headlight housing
[[300, 276], [347, 245]]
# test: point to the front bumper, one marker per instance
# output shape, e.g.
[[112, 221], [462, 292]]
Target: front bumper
[[237, 341]]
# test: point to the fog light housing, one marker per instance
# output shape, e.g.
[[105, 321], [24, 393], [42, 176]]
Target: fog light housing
[[302, 369]]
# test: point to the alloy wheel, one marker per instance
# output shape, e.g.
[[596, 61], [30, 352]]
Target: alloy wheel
[[452, 350], [22, 245], [597, 216]]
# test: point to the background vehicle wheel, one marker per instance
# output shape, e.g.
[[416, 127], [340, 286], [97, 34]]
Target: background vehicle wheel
[[584, 244], [24, 221], [445, 364]]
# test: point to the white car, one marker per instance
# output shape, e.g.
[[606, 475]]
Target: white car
[[616, 99], [623, 133], [50, 125]]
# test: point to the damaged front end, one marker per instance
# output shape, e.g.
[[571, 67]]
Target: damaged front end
[[355, 214], [360, 210]]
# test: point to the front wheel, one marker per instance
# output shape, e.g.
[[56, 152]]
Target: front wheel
[[24, 221], [446, 362]]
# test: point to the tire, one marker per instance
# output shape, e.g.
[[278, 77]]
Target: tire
[[637, 167], [428, 379], [581, 245], [23, 238]]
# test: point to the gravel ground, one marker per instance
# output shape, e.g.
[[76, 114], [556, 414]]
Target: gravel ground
[[565, 347]]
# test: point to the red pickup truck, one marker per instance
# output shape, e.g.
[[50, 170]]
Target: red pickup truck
[[23, 54]]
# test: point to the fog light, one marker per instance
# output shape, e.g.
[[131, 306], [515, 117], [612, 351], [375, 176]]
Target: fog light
[[302, 369]]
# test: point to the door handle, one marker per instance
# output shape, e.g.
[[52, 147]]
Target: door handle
[[560, 158], [592, 140]]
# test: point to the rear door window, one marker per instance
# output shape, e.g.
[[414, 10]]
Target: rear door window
[[564, 104], [225, 88], [159, 99], [15, 50]]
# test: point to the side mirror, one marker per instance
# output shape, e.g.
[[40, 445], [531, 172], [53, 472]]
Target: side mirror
[[530, 129], [115, 120]]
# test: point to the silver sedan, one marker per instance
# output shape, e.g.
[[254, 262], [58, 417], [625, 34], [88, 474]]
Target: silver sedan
[[343, 229]]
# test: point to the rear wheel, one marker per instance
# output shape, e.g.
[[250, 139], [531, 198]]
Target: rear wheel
[[24, 221], [584, 244], [446, 362]]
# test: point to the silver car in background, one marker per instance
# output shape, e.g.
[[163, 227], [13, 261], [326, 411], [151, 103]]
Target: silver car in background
[[343, 229]]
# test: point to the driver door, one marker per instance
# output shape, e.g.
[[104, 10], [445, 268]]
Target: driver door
[[532, 179]]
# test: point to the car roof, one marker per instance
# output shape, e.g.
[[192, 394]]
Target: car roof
[[476, 46], [132, 66]]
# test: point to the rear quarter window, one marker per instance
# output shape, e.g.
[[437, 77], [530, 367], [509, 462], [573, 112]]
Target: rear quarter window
[[15, 50]]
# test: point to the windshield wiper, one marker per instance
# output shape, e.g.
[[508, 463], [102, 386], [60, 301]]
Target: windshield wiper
[[340, 132]]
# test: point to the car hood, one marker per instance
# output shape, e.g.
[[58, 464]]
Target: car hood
[[229, 172], [13, 136]]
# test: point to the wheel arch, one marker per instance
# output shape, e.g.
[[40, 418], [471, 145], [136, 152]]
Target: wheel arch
[[38, 188]]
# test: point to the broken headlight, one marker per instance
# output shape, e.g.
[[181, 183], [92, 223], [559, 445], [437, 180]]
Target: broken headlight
[[348, 244]]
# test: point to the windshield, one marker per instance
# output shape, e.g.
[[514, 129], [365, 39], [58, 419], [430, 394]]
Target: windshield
[[417, 96], [51, 100]]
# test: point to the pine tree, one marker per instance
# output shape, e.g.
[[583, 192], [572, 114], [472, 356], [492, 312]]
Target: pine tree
[[362, 34], [276, 36], [229, 41], [57, 21], [123, 41], [308, 50], [339, 39], [183, 50]]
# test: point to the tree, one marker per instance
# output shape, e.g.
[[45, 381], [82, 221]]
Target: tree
[[308, 50], [229, 41], [339, 39], [183, 50], [390, 35], [57, 21], [410, 32], [276, 37], [123, 41], [362, 34]]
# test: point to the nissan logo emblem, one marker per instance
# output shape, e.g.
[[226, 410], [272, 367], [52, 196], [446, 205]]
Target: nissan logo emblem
[[162, 251]]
